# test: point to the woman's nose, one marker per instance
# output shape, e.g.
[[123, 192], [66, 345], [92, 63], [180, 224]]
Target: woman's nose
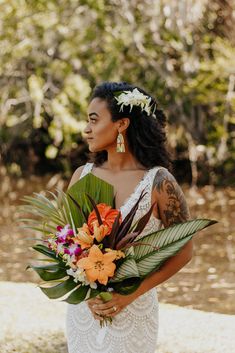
[[87, 129]]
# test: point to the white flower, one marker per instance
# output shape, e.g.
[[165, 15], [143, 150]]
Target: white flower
[[60, 249], [93, 285], [134, 98], [80, 276], [53, 244], [69, 260]]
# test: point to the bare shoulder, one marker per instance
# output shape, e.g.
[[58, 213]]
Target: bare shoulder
[[76, 175], [171, 201]]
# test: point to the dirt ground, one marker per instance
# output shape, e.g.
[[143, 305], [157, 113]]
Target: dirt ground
[[31, 323]]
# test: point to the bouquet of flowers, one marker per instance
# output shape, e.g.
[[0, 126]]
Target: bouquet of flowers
[[90, 250]]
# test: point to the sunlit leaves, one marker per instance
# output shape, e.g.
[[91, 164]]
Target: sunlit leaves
[[51, 57]]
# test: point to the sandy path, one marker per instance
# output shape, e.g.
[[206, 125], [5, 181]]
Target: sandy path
[[30, 323]]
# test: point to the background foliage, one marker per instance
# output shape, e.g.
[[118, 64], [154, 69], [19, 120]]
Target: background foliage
[[54, 52]]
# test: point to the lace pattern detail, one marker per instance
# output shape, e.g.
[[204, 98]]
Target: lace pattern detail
[[135, 329]]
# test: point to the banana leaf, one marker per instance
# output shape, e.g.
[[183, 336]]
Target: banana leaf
[[99, 190]]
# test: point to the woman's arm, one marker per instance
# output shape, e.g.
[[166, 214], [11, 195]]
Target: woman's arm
[[172, 208]]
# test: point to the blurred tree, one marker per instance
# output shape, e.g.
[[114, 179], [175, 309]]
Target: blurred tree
[[54, 52]]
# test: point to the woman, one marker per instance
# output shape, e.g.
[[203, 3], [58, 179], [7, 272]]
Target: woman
[[125, 133]]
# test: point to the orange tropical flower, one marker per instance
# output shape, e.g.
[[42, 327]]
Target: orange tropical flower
[[118, 253], [100, 231], [107, 215], [84, 238], [98, 266]]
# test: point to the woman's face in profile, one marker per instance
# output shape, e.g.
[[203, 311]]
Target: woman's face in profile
[[101, 132]]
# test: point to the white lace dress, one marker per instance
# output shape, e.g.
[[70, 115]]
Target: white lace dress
[[134, 329]]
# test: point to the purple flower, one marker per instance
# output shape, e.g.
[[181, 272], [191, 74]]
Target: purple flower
[[64, 232], [73, 249]]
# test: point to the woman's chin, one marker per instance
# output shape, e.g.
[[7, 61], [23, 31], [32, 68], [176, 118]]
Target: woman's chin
[[94, 149]]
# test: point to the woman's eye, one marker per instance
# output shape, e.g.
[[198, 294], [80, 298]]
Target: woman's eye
[[92, 120]]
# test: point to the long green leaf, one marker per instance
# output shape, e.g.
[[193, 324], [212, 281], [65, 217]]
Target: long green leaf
[[95, 209], [168, 242], [126, 223], [44, 215], [40, 203], [42, 230], [126, 240], [168, 235], [78, 295], [154, 261], [64, 206], [98, 189], [144, 220], [48, 260], [45, 251], [127, 286], [48, 201], [60, 289], [127, 269], [32, 222], [78, 206], [39, 208], [54, 273]]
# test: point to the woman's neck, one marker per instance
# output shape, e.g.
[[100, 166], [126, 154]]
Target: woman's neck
[[121, 161]]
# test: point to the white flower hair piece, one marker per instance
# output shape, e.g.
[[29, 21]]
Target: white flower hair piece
[[136, 98]]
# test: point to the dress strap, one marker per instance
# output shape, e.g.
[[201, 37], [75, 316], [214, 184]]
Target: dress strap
[[87, 169], [146, 184]]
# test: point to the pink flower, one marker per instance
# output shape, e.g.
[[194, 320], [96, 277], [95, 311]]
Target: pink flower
[[73, 250], [63, 234]]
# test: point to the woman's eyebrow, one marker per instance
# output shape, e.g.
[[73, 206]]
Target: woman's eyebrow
[[93, 114]]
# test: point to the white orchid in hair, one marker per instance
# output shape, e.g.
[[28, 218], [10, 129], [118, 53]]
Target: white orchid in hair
[[136, 98]]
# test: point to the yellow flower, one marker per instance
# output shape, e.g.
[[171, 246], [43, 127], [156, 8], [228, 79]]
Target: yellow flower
[[100, 231], [98, 266], [83, 238], [118, 253]]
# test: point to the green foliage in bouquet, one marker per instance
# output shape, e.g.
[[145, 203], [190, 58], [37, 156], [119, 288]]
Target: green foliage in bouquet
[[99, 190], [142, 255]]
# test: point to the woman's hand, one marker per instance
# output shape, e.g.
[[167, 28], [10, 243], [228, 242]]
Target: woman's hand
[[99, 308]]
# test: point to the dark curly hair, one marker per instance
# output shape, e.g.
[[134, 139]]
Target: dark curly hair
[[146, 135]]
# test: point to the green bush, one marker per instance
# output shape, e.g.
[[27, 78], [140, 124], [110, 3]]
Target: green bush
[[53, 53]]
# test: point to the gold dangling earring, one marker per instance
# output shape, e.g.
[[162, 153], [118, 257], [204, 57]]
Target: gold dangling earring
[[120, 143]]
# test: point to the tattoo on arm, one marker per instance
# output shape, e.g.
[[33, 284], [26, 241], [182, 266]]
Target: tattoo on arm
[[172, 204]]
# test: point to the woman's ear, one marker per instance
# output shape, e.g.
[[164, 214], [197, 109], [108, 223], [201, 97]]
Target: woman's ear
[[123, 124]]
